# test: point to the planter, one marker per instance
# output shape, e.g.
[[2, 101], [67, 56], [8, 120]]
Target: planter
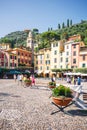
[[51, 86], [27, 84], [61, 101]]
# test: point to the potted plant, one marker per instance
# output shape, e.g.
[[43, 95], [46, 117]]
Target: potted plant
[[52, 85], [61, 95], [27, 82]]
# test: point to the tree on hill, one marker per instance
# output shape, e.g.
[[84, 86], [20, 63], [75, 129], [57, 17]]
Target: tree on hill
[[59, 27], [63, 25], [71, 22], [47, 38], [67, 22]]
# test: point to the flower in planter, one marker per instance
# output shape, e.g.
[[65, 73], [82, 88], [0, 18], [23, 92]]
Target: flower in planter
[[52, 83], [61, 95], [62, 91], [28, 81]]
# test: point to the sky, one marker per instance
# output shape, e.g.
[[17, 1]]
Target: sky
[[19, 15]]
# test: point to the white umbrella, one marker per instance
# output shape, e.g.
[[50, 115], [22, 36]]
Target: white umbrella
[[83, 74], [72, 73]]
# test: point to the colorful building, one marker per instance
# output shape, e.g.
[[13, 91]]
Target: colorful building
[[24, 57], [5, 46], [75, 54], [3, 59], [83, 57]]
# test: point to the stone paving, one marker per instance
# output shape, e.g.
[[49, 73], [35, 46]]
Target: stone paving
[[30, 109]]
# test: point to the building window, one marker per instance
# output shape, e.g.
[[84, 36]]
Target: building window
[[47, 62], [47, 55], [28, 41], [36, 62], [47, 67], [29, 62], [15, 65], [61, 59], [74, 61], [40, 67], [83, 65], [61, 67], [15, 58], [67, 47], [74, 53], [2, 63], [11, 64], [66, 59], [10, 56], [6, 64], [66, 66], [55, 66], [40, 61], [61, 54], [67, 53], [2, 56], [18, 53], [55, 52], [83, 57], [40, 56], [56, 44], [18, 60], [74, 46], [55, 60]]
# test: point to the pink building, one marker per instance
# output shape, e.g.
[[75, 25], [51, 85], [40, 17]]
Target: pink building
[[76, 54], [7, 60], [3, 59]]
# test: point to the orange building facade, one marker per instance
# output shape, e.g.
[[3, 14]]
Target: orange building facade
[[24, 57]]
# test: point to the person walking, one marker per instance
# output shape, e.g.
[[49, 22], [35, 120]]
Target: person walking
[[23, 80], [32, 78], [19, 78], [53, 79], [15, 77], [79, 81]]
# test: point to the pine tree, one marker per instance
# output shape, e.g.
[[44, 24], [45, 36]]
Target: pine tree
[[63, 25], [59, 26], [67, 22], [71, 22]]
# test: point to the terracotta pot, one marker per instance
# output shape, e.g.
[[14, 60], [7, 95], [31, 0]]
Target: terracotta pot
[[61, 101], [27, 84], [51, 86]]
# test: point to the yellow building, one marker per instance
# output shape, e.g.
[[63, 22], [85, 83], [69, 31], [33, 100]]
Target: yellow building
[[5, 46], [35, 62], [47, 62], [40, 58], [42, 62]]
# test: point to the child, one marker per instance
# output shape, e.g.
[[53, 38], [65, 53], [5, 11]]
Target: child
[[32, 79]]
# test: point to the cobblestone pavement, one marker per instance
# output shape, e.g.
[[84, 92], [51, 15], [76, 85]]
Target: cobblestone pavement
[[25, 108]]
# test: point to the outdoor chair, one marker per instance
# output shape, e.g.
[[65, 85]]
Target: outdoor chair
[[76, 92]]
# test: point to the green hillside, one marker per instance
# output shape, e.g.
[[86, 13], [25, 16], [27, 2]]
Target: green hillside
[[44, 39], [63, 33], [16, 38]]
